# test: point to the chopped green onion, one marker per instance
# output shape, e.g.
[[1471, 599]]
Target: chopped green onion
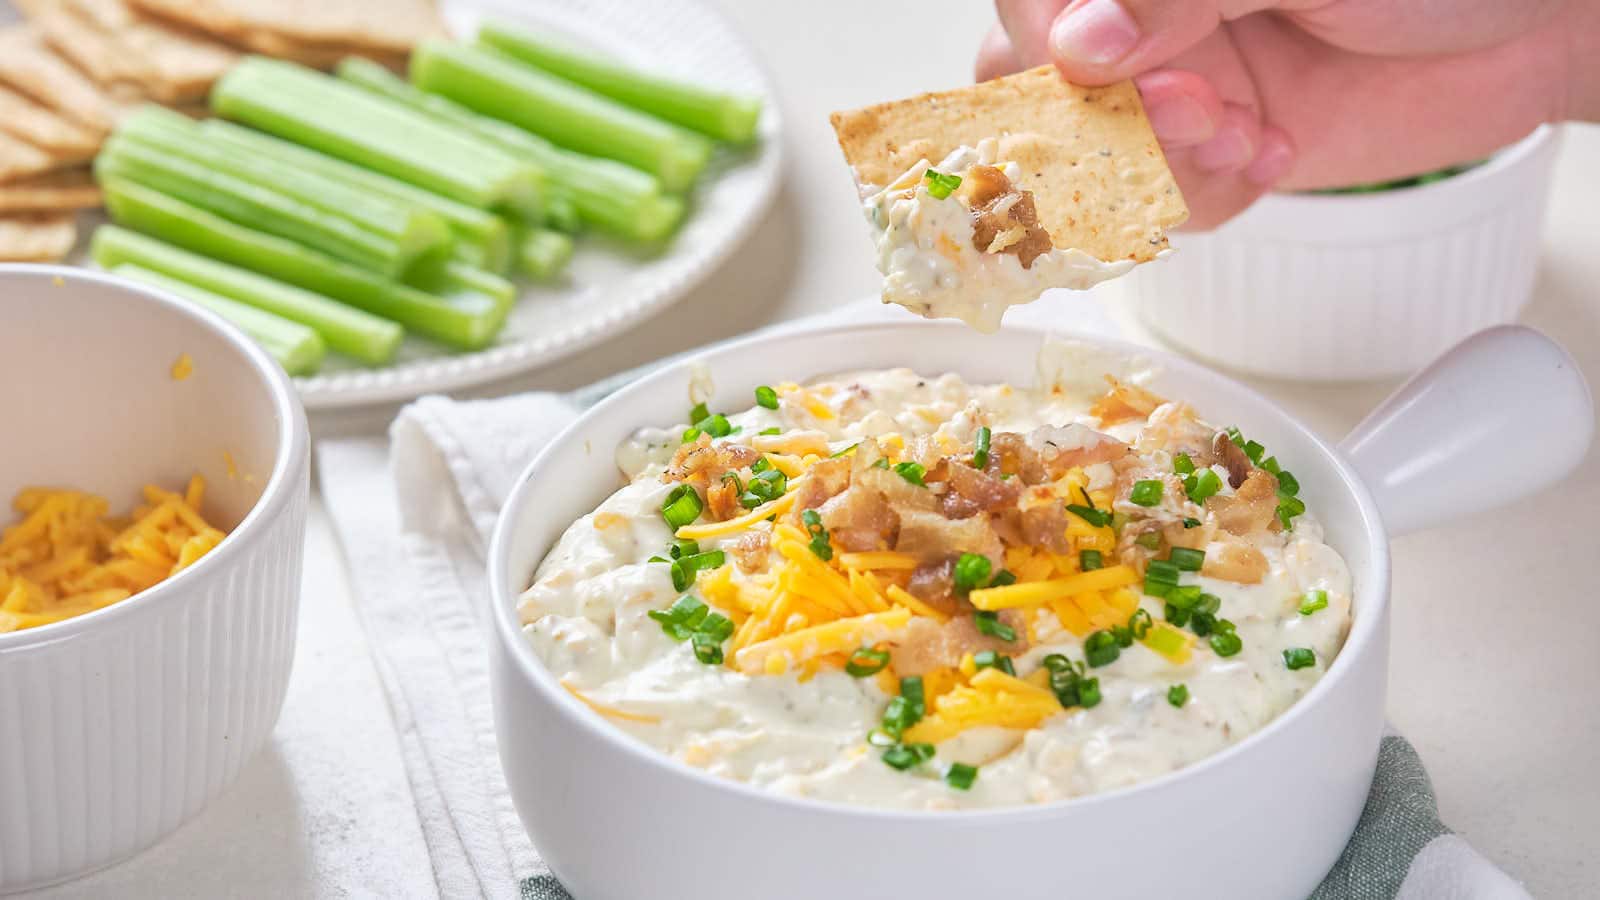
[[773, 430], [904, 756], [764, 487], [1202, 485], [912, 472], [698, 412], [819, 535], [1003, 578], [715, 425], [684, 569], [992, 659], [766, 397], [1101, 649], [707, 650], [1089, 514], [961, 776], [1123, 636], [690, 434], [1139, 623], [717, 627], [1225, 643], [1089, 560], [1088, 692], [1146, 492], [681, 619], [760, 465], [972, 571], [1056, 662], [911, 688], [1150, 540], [838, 453], [1288, 508], [1254, 450], [681, 507], [1313, 601], [1177, 616], [1288, 484], [1178, 695], [939, 184], [1182, 464], [1187, 560], [989, 623], [1299, 658], [678, 549], [980, 453], [866, 661], [1191, 522], [1163, 571], [1209, 604], [1202, 623]]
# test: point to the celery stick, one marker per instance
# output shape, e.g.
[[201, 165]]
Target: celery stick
[[345, 329], [724, 116], [297, 348], [418, 232], [470, 224], [248, 204], [614, 197], [312, 109], [542, 253], [455, 276], [561, 213], [464, 320], [570, 115]]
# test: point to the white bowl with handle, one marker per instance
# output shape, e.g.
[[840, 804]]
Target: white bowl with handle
[[119, 725], [617, 820]]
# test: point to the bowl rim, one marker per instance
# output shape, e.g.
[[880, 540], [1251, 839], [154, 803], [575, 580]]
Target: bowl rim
[[1365, 636], [290, 457]]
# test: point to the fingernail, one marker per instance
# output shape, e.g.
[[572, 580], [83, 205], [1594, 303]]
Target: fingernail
[[1227, 151], [1179, 120], [1099, 33], [1272, 163]]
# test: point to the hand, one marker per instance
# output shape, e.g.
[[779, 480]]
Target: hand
[[1250, 95]]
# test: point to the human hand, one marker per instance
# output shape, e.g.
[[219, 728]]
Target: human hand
[[1251, 95]]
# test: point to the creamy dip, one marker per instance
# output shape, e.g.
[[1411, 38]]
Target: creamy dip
[[792, 718], [931, 264]]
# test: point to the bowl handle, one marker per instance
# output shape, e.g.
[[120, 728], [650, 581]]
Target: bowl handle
[[1502, 415]]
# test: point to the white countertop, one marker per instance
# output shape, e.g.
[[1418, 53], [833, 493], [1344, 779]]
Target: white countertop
[[1495, 622]]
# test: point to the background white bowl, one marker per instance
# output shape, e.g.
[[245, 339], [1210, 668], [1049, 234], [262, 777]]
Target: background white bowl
[[1356, 286], [118, 725]]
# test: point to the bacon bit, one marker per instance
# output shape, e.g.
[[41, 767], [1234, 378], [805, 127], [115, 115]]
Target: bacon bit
[[1250, 510], [999, 208], [1044, 520], [935, 585], [722, 500], [1062, 448], [931, 537], [1124, 403], [925, 646], [751, 551], [703, 462], [1233, 458], [971, 491], [825, 480], [1175, 428], [1237, 562], [859, 519]]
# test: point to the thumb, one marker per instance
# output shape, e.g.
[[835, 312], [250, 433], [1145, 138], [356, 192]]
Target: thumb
[[1102, 41]]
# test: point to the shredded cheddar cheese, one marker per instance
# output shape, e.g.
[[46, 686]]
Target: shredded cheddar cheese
[[610, 711], [183, 367], [67, 556], [739, 523], [776, 655], [1042, 592]]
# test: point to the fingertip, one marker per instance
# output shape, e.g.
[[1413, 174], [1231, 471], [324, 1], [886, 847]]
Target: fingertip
[[1234, 145], [1090, 37], [1183, 108], [1274, 158]]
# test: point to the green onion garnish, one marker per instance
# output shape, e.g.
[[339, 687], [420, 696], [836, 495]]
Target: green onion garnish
[[1088, 692], [1287, 483], [707, 649], [1202, 484], [678, 549], [911, 688], [681, 507], [911, 471], [1177, 615], [1187, 560], [1139, 623], [1299, 658], [972, 571], [698, 412], [765, 486], [1003, 578], [1202, 623], [961, 776], [1089, 514], [939, 184], [1178, 695], [980, 453], [1288, 508], [819, 535], [1313, 601], [866, 661], [1056, 662], [1101, 649], [767, 397], [1123, 635], [681, 619], [684, 569], [1146, 492], [1191, 522], [716, 425], [989, 623], [1208, 604], [760, 465], [1164, 571], [992, 659], [1182, 464], [1254, 450], [690, 434], [773, 430], [1150, 540], [1089, 560], [1225, 643], [904, 756]]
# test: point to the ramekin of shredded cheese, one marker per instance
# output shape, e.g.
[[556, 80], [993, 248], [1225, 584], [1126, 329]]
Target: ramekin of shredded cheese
[[153, 485]]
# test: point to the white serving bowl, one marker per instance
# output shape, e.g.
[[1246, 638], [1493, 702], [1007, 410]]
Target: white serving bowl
[[1265, 819], [1356, 286], [117, 726]]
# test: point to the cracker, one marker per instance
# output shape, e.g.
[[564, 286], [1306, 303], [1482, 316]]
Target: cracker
[[393, 26], [1099, 180], [67, 141], [54, 192], [95, 52], [45, 237], [20, 159], [29, 67], [180, 65]]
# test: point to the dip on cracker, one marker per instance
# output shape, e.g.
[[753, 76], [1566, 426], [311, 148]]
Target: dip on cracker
[[984, 197]]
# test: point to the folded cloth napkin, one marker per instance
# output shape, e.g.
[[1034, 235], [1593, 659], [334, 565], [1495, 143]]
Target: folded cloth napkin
[[415, 514]]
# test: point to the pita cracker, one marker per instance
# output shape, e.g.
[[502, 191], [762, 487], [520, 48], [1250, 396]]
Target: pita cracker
[[20, 159], [180, 65], [1098, 176], [67, 141], [55, 192], [385, 25], [95, 52], [29, 67], [46, 237]]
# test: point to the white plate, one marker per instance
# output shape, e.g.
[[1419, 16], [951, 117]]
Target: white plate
[[607, 288]]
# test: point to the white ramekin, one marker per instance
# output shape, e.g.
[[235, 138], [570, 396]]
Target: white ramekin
[[117, 726], [1356, 286], [1262, 820]]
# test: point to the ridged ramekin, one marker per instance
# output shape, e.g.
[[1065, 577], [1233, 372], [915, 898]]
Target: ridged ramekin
[[117, 726], [1356, 286]]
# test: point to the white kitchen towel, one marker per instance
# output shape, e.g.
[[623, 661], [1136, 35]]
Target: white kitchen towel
[[415, 514]]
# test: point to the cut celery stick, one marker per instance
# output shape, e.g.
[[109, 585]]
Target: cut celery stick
[[464, 320], [297, 348], [470, 224], [570, 115], [543, 253], [310, 108], [561, 213], [418, 232], [616, 198], [724, 116], [249, 204], [454, 277], [345, 329]]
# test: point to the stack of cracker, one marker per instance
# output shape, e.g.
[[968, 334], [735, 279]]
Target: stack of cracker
[[69, 73]]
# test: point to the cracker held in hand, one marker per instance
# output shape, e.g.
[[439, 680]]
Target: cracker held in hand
[[1054, 185]]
